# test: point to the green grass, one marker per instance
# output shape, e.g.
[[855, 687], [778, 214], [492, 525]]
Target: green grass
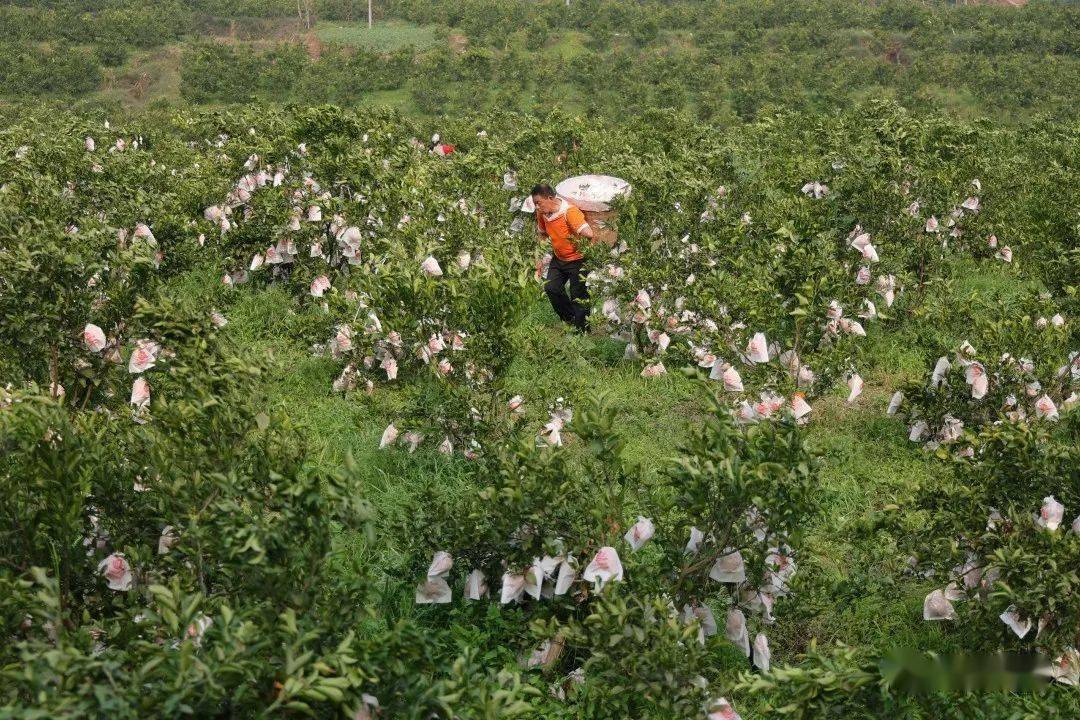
[[853, 585], [568, 46], [400, 99], [554, 362], [677, 39], [953, 99], [385, 36], [144, 77]]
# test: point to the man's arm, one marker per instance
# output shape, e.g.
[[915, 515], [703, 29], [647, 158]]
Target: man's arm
[[541, 237], [578, 224]]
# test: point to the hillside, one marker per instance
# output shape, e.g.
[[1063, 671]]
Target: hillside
[[283, 383], [317, 400], [721, 63]]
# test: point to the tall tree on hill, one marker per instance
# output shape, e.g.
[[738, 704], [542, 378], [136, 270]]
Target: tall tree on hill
[[303, 11]]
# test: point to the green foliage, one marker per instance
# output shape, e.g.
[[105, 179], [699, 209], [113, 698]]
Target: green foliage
[[62, 71], [746, 491], [636, 654], [842, 682], [233, 604], [270, 539], [1023, 356], [216, 71], [739, 61], [637, 659], [385, 37], [982, 533]]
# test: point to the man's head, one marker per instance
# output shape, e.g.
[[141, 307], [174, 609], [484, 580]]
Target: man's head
[[544, 198]]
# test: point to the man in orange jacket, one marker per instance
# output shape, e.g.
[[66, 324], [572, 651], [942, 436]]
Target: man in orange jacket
[[562, 224]]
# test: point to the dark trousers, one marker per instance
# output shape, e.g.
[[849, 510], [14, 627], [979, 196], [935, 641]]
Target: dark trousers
[[560, 274]]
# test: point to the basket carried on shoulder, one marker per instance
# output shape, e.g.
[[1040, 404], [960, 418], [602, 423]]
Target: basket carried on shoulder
[[593, 194]]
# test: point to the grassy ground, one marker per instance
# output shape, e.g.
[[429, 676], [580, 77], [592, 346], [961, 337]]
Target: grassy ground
[[400, 99], [154, 75], [852, 585], [148, 76], [568, 46], [385, 36], [144, 77]]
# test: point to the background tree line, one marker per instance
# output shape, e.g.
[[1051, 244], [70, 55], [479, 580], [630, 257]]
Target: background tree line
[[721, 63]]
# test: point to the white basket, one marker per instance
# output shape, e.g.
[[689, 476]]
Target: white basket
[[593, 193]]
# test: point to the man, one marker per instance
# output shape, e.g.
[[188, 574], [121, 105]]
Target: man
[[562, 224]]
